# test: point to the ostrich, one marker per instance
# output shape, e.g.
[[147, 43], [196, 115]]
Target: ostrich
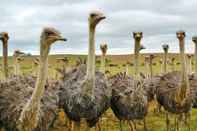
[[189, 60], [62, 63], [129, 101], [17, 58], [85, 94], [103, 48], [35, 66], [165, 48], [173, 91], [146, 60], [172, 63], [4, 38], [161, 65], [25, 105]]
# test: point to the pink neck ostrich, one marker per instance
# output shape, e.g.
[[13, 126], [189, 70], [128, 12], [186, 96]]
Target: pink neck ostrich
[[4, 38], [29, 117]]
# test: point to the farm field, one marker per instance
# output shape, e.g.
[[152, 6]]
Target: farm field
[[114, 64]]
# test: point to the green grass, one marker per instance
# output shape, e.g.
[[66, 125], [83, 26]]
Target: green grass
[[155, 122]]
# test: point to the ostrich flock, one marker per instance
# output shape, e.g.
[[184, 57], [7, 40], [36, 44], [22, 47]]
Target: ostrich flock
[[32, 102]]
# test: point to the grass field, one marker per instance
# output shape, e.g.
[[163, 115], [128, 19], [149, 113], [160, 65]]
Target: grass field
[[115, 64]]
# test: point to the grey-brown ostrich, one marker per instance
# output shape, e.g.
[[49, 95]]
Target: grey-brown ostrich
[[165, 48], [189, 63], [85, 94], [129, 101], [62, 64], [193, 79], [27, 104], [173, 91], [146, 61], [35, 64], [151, 82], [17, 58], [103, 48], [172, 63], [4, 38]]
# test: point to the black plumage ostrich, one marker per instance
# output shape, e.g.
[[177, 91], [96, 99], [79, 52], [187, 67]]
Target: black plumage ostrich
[[85, 94], [129, 101]]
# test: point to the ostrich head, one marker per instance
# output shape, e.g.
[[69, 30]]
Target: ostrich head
[[137, 35], [103, 48], [165, 47], [4, 37], [146, 58], [152, 56], [189, 56], [50, 35], [180, 35], [95, 17], [173, 59], [18, 53], [194, 39]]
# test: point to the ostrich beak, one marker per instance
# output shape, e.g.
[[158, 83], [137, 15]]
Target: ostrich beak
[[62, 39]]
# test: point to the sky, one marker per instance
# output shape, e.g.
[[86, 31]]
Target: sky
[[157, 19]]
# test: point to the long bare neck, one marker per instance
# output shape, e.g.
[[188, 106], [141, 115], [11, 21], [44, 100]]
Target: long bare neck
[[195, 59], [172, 65], [91, 55], [136, 58], [151, 68], [147, 68], [5, 59], [42, 75], [103, 63], [189, 65], [165, 61], [183, 63]]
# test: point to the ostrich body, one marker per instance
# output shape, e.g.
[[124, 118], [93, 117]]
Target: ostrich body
[[173, 91], [129, 101], [103, 48], [4, 38], [85, 94], [21, 107]]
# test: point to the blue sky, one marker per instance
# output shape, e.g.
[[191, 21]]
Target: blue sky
[[157, 19]]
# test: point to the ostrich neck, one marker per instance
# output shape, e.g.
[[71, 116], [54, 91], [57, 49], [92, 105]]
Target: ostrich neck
[[5, 59], [151, 68], [91, 55], [184, 76], [195, 59], [147, 69], [136, 57], [42, 75], [103, 63], [190, 65], [165, 61]]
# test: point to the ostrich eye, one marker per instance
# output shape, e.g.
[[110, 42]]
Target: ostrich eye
[[93, 15], [50, 33]]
